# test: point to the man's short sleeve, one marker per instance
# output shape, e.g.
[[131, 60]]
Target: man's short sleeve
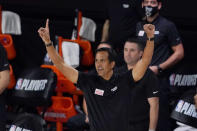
[[152, 85], [4, 64], [173, 35]]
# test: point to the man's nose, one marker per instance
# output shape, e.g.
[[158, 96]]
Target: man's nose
[[98, 63], [149, 3]]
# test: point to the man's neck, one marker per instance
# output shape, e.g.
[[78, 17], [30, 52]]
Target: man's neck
[[108, 76], [151, 19], [129, 67]]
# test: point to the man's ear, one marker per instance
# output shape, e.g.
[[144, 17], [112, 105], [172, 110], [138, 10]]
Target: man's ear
[[142, 4], [159, 5], [113, 64], [141, 54]]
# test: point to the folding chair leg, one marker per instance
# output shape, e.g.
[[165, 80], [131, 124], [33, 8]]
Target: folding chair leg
[[59, 126]]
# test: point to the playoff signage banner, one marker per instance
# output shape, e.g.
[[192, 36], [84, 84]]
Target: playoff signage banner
[[183, 78], [185, 111], [34, 87], [28, 122]]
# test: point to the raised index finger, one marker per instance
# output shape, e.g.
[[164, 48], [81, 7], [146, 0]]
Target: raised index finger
[[47, 24]]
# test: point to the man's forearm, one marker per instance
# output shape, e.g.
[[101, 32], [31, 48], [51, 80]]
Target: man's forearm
[[85, 106], [148, 53], [153, 120], [4, 80], [142, 65], [153, 117], [174, 58], [67, 70], [195, 100], [105, 32]]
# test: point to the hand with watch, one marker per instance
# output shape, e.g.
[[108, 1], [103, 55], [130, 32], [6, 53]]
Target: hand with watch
[[160, 70], [156, 69], [150, 31], [50, 44], [45, 35], [151, 39]]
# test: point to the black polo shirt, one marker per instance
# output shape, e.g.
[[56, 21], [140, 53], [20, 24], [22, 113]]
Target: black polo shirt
[[107, 101], [166, 36], [146, 88], [123, 18]]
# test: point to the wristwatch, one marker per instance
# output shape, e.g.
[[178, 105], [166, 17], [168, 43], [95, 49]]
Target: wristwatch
[[50, 44], [150, 39], [160, 70]]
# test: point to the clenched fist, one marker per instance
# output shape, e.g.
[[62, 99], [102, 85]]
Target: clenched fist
[[44, 33], [150, 30]]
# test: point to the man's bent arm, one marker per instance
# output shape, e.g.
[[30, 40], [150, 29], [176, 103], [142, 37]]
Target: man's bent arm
[[68, 71], [105, 32], [4, 80], [178, 54], [142, 65]]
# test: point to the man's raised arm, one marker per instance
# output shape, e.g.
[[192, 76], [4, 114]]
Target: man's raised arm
[[68, 71], [142, 65]]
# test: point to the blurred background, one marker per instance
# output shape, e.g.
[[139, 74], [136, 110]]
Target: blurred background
[[33, 13]]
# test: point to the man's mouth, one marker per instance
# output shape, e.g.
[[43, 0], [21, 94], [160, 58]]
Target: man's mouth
[[99, 69]]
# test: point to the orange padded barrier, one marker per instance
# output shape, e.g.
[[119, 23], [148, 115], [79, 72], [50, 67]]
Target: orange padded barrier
[[7, 42], [87, 58], [12, 79], [63, 84], [61, 110], [76, 99], [54, 69]]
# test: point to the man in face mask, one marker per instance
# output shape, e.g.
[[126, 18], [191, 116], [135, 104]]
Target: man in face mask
[[168, 52], [151, 8]]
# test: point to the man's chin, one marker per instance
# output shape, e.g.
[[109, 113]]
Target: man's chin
[[100, 74], [127, 61]]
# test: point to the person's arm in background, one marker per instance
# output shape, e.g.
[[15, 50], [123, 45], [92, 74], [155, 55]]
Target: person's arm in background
[[105, 31], [140, 68], [175, 57], [152, 93], [177, 48], [85, 110], [154, 110], [195, 101], [4, 80], [68, 71], [178, 54]]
